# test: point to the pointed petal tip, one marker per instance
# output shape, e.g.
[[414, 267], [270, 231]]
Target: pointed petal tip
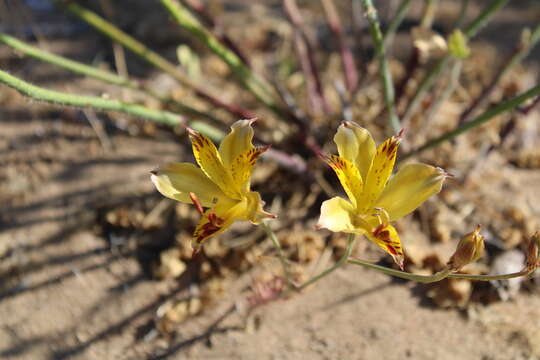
[[400, 262], [195, 250], [265, 148], [400, 133], [191, 132]]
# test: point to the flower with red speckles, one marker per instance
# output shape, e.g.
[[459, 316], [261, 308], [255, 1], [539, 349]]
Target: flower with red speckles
[[375, 199], [221, 183]]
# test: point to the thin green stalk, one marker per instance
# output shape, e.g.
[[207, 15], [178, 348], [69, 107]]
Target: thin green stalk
[[481, 20], [470, 31], [380, 52], [428, 16], [281, 255], [342, 261], [396, 21], [520, 52], [462, 14], [484, 117], [491, 277], [259, 87], [95, 73], [402, 274], [101, 104], [445, 273], [423, 87], [91, 102], [455, 72], [153, 58], [65, 63]]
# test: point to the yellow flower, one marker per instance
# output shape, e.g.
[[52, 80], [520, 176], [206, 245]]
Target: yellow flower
[[374, 202], [221, 184]]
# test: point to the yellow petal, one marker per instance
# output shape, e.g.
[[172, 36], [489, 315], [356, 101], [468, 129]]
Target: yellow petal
[[177, 180], [210, 225], [336, 215], [209, 160], [237, 142], [386, 236], [220, 217], [242, 166], [355, 144], [348, 176], [254, 211], [409, 188], [379, 173]]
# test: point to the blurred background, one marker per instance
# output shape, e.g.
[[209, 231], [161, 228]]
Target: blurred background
[[95, 264]]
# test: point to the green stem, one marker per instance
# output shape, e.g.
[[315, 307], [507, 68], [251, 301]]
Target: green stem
[[490, 277], [470, 31], [281, 255], [520, 52], [92, 102], [95, 73], [428, 15], [484, 117], [342, 261], [481, 20], [396, 21], [380, 52], [259, 87], [455, 72], [402, 274], [148, 55], [423, 87], [68, 64], [445, 273]]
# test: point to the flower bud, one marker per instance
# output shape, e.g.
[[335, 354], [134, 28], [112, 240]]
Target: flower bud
[[470, 248], [533, 252], [457, 45]]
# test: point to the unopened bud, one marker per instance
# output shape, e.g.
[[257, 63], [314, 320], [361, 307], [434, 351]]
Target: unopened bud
[[533, 252], [457, 45], [470, 248]]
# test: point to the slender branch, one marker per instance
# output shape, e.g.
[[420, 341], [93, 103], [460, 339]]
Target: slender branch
[[428, 15], [428, 80], [396, 21], [98, 74], [438, 276], [316, 102], [266, 226], [462, 14], [386, 76], [455, 72], [149, 56], [198, 7], [484, 117], [257, 85], [307, 56], [76, 67], [342, 261], [483, 18], [491, 277], [347, 59], [410, 71], [520, 52], [426, 83], [91, 102]]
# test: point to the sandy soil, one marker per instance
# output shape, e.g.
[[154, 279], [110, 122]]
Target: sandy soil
[[73, 288]]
